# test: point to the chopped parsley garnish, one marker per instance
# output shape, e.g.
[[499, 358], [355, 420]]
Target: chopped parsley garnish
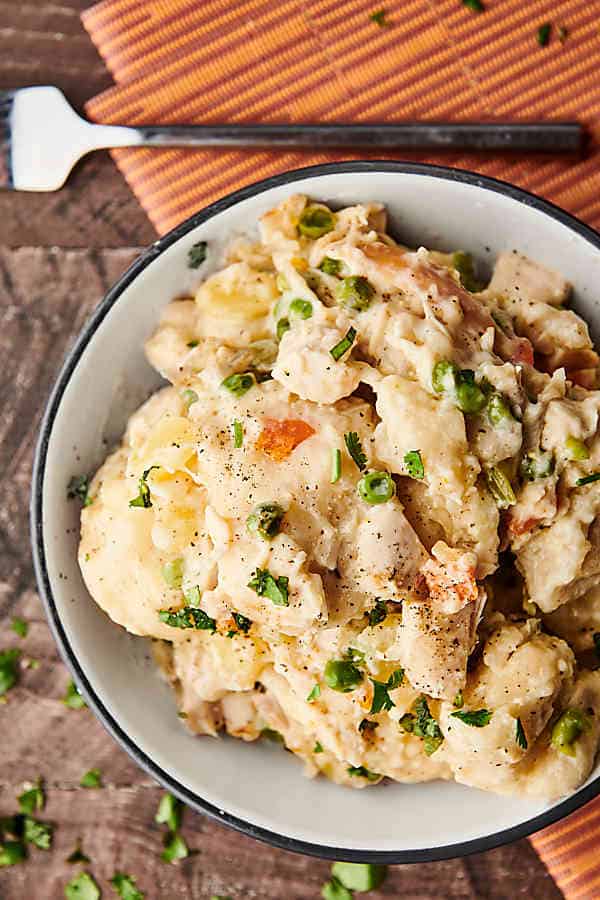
[[361, 772], [91, 779], [354, 447], [242, 622], [73, 698], [361, 877], [124, 886], [355, 656], [381, 697], [187, 617], [330, 266], [458, 701], [189, 396], [78, 487], [193, 597], [197, 255], [342, 675], [9, 669], [596, 639], [318, 748], [421, 723], [538, 465], [172, 573], [169, 812], [520, 737], [267, 585], [143, 498], [239, 383], [78, 856], [238, 434], [32, 800], [379, 18], [463, 262], [414, 464], [265, 520], [19, 626], [344, 345], [477, 718], [336, 465], [476, 6], [270, 734], [543, 34], [82, 887], [588, 479], [500, 487], [192, 344], [378, 613], [568, 729], [37, 833], [314, 694], [175, 848], [368, 726]]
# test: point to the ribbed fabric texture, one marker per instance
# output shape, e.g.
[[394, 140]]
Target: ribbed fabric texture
[[184, 61]]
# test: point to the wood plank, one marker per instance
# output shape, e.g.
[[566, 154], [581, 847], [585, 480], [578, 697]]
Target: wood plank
[[45, 296]]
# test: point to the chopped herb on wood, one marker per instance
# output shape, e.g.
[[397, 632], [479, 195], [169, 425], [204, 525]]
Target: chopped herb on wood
[[91, 779], [543, 34], [9, 669], [19, 626], [475, 6], [73, 698], [82, 887], [379, 18], [124, 886]]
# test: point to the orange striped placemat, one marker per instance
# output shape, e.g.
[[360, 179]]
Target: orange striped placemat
[[326, 60]]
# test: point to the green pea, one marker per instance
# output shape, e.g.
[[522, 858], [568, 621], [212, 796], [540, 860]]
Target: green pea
[[568, 729], [316, 221], [172, 572], [283, 325], [576, 449], [300, 309], [359, 876], [239, 383], [376, 487], [355, 292], [469, 397], [330, 266], [265, 520], [444, 377], [498, 410], [342, 675]]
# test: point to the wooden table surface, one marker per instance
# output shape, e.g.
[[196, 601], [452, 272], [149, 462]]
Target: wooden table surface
[[58, 254]]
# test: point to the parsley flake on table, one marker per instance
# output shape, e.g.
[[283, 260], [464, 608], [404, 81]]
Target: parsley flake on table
[[474, 5], [37, 833], [19, 626], [169, 812], [543, 34], [414, 464], [175, 848], [9, 669], [354, 447], [124, 886], [78, 856], [267, 585], [360, 877], [143, 499], [32, 800], [82, 887], [477, 718], [91, 779], [73, 698], [335, 890], [197, 254], [520, 737], [381, 697], [379, 18], [11, 853]]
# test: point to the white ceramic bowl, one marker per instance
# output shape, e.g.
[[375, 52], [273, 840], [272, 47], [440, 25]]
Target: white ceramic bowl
[[255, 788]]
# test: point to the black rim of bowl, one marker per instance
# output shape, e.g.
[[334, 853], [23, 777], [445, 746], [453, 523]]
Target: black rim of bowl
[[463, 848]]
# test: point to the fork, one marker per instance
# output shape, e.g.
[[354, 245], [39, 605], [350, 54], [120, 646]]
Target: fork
[[42, 137]]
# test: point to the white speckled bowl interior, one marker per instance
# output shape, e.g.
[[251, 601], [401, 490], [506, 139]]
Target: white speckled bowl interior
[[256, 787]]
